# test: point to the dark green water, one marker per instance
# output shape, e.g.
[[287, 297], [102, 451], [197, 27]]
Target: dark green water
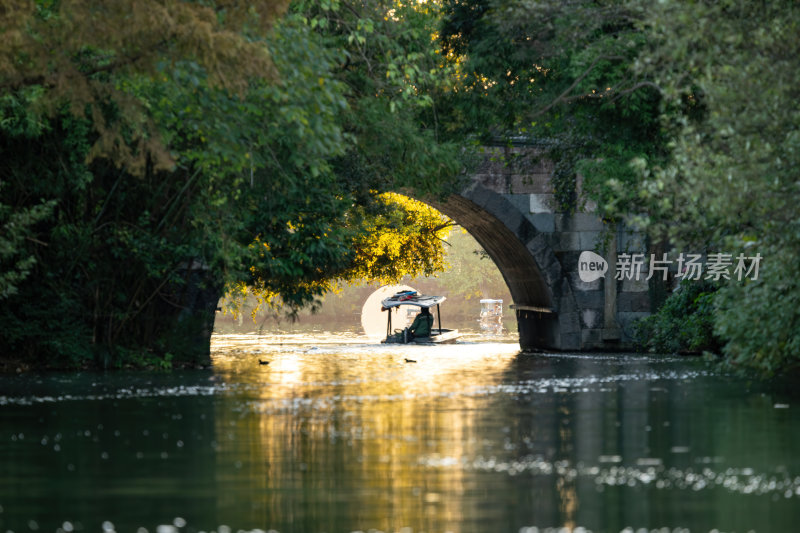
[[341, 436]]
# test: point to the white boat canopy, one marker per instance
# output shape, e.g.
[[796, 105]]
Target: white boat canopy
[[411, 298]]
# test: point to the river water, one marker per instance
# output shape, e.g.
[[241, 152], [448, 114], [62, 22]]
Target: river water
[[337, 434]]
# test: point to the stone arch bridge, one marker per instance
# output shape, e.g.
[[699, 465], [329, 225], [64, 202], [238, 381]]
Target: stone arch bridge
[[508, 206]]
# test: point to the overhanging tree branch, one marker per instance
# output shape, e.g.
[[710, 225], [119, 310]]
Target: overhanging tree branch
[[563, 97]]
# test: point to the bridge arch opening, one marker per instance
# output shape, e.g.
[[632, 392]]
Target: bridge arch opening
[[523, 256], [515, 262], [506, 244]]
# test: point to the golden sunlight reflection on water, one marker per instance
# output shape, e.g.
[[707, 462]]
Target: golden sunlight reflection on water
[[363, 366], [364, 410], [478, 437]]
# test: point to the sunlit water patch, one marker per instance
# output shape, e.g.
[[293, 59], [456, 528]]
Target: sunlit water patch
[[329, 433]]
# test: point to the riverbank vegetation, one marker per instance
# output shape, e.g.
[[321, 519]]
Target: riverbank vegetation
[[731, 182], [155, 155], [684, 324]]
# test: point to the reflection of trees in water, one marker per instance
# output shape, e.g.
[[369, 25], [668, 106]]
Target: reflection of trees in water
[[316, 462], [90, 456], [654, 423], [593, 426]]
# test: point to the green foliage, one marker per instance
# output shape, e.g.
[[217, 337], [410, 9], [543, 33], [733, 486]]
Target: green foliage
[[760, 319], [684, 323], [15, 228], [731, 178], [396, 78], [133, 198], [468, 276], [566, 66], [403, 237], [73, 51], [730, 72], [682, 119], [17, 223], [77, 292]]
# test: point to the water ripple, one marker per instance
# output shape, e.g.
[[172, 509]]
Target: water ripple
[[645, 473]]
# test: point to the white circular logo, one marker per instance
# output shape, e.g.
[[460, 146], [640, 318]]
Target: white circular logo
[[591, 267]]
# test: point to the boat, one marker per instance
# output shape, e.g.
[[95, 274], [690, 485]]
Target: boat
[[438, 334]]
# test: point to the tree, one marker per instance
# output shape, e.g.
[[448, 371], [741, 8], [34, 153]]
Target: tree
[[71, 52], [557, 74], [390, 72], [169, 170], [730, 72], [395, 76], [396, 240]]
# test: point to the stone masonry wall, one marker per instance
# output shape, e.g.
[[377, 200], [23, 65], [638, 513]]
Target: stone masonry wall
[[594, 315]]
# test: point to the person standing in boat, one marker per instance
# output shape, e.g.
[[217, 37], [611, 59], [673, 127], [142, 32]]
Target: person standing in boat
[[423, 322]]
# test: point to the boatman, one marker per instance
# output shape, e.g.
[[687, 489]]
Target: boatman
[[423, 322]]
